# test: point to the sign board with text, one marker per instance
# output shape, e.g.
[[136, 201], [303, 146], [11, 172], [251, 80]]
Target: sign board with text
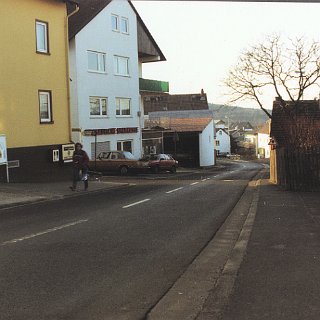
[[67, 152]]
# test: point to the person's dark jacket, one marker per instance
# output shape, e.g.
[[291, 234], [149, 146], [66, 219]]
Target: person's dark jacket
[[80, 159]]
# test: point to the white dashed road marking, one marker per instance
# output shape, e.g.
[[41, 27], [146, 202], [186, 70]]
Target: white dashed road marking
[[134, 204], [30, 236], [174, 190], [192, 184]]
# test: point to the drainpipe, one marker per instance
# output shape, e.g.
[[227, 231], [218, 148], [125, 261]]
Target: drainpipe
[[67, 61]]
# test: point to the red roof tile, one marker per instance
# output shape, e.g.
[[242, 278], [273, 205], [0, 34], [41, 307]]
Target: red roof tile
[[180, 124]]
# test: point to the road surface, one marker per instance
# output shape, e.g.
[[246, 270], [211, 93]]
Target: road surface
[[113, 254]]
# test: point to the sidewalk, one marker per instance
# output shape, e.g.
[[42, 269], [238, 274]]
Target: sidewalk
[[262, 264], [279, 276], [12, 194]]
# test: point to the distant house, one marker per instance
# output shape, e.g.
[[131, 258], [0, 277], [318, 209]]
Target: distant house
[[295, 145], [222, 138], [190, 140], [175, 102], [108, 45], [220, 124], [222, 142], [242, 126], [262, 141], [243, 139]]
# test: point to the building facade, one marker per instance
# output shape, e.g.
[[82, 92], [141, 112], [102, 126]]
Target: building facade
[[34, 86], [105, 68], [223, 146], [189, 140]]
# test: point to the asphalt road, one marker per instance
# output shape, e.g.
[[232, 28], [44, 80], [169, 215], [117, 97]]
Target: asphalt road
[[113, 254]]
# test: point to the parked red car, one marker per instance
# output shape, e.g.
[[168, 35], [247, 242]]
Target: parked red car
[[117, 161], [158, 162]]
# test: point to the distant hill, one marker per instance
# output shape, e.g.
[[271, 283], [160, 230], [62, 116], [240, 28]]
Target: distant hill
[[238, 114]]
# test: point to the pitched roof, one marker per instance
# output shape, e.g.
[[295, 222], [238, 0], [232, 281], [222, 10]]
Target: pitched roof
[[180, 124], [219, 121], [241, 125], [88, 9], [181, 114], [222, 129], [175, 102], [142, 25]]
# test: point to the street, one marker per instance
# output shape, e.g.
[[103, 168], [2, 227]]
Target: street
[[111, 254]]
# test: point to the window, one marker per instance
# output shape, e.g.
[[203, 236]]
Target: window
[[45, 108], [115, 22], [124, 27], [98, 106], [42, 37], [123, 107], [119, 24], [217, 143], [96, 61], [121, 66], [124, 145]]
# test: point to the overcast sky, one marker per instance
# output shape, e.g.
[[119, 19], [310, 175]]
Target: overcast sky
[[201, 40]]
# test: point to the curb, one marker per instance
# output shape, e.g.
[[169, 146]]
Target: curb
[[190, 296]]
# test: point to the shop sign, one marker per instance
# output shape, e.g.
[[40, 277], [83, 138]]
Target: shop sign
[[67, 152], [99, 132]]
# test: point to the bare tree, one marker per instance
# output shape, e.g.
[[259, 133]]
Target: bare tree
[[289, 70]]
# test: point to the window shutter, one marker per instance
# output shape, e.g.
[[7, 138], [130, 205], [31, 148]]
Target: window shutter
[[101, 147]]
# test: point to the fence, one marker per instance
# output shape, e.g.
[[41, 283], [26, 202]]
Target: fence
[[299, 169]]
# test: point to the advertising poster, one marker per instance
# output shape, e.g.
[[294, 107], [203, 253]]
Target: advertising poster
[[67, 152], [3, 150]]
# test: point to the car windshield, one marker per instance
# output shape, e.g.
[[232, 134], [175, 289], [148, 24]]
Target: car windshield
[[128, 155], [103, 155], [154, 157]]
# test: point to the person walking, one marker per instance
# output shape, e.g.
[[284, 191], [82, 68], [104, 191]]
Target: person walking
[[80, 167]]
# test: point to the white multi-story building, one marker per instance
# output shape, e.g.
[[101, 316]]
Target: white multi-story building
[[223, 146], [106, 57], [222, 140]]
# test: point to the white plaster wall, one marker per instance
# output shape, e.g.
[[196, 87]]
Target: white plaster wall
[[263, 140], [224, 140], [98, 36], [206, 143]]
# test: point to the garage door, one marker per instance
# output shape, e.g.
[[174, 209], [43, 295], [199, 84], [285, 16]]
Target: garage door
[[101, 147]]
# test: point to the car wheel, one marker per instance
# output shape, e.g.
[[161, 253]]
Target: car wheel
[[173, 169], [123, 170], [155, 169]]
